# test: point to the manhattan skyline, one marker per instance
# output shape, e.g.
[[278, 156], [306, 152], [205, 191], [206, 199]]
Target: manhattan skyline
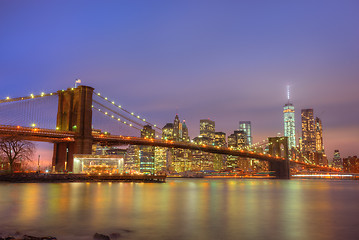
[[227, 62]]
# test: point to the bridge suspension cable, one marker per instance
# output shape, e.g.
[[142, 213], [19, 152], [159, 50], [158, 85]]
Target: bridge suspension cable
[[132, 114], [115, 118], [115, 113], [32, 96]]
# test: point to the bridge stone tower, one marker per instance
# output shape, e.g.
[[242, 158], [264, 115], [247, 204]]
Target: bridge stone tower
[[74, 114], [278, 146]]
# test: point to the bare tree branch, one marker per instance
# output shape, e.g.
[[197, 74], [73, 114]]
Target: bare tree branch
[[14, 150]]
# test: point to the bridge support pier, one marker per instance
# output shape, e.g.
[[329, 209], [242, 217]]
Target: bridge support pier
[[74, 114], [278, 146], [281, 169], [63, 156]]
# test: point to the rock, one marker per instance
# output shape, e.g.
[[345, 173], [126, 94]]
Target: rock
[[115, 236], [99, 236], [26, 237]]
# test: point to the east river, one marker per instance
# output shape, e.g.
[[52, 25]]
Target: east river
[[184, 209]]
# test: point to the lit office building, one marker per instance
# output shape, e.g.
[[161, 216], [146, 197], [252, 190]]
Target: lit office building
[[237, 140], [219, 160], [351, 164], [177, 129], [319, 136], [132, 159], [220, 139], [202, 161], [308, 134], [147, 153], [177, 160], [207, 128], [167, 132], [245, 126], [337, 160], [185, 137], [289, 124]]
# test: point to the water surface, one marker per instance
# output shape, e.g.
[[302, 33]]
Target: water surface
[[185, 209]]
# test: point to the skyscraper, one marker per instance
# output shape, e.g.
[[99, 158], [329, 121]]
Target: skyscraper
[[207, 128], [319, 136], [245, 126], [177, 129], [289, 124], [337, 160], [308, 133]]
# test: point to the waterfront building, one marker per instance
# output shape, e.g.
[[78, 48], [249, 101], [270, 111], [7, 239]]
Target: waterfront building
[[202, 161], [219, 160], [308, 134], [132, 159], [289, 124], [351, 164], [207, 128], [98, 164], [237, 140], [161, 154], [147, 153], [246, 127]]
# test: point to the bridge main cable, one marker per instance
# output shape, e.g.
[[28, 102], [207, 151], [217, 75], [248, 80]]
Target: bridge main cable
[[32, 96], [128, 112]]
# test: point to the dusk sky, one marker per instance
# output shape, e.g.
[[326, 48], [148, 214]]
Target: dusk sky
[[229, 61]]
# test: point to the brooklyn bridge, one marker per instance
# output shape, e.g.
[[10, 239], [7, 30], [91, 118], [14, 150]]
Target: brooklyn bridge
[[74, 130]]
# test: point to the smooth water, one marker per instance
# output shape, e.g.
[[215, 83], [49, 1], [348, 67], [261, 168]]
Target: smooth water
[[184, 209]]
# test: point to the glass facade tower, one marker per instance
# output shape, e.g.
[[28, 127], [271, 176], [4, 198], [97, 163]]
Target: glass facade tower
[[289, 124], [245, 126]]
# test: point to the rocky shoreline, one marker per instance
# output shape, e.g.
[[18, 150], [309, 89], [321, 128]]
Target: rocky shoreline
[[67, 177], [96, 236]]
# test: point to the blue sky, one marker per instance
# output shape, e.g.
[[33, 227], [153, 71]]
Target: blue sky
[[224, 60]]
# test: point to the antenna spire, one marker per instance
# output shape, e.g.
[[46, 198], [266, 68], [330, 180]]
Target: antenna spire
[[288, 93]]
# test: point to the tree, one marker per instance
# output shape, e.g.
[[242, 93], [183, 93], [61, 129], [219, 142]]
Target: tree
[[13, 150]]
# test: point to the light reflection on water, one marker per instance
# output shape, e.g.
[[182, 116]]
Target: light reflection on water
[[184, 209]]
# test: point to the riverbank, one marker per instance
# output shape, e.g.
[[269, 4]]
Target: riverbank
[[52, 178]]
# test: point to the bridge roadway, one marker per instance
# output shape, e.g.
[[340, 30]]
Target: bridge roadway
[[37, 134], [50, 135]]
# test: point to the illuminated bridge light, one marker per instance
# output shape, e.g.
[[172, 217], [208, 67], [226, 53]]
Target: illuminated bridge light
[[113, 102], [130, 125], [99, 94], [138, 116], [105, 98], [112, 116], [118, 119], [119, 106], [132, 113], [144, 120], [106, 113]]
